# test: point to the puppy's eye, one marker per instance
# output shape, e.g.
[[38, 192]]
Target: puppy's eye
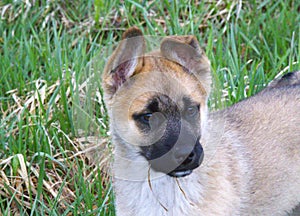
[[145, 118], [192, 111]]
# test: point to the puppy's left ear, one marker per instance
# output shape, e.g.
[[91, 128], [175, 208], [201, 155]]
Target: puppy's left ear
[[124, 62], [185, 50]]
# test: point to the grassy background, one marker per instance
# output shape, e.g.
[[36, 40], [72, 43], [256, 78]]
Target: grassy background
[[47, 167]]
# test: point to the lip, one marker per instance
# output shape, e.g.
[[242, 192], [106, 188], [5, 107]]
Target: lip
[[182, 172], [179, 174]]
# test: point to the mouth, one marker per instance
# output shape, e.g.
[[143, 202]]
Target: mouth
[[186, 169], [179, 174], [179, 163]]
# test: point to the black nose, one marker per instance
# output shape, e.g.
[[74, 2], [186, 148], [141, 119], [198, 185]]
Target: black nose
[[183, 156], [187, 160]]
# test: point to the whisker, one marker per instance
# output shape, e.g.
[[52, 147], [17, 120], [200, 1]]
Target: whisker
[[184, 194], [150, 186]]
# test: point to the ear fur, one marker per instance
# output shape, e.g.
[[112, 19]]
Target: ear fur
[[185, 50], [125, 60]]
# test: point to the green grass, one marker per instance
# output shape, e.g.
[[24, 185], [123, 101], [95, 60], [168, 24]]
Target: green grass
[[46, 49]]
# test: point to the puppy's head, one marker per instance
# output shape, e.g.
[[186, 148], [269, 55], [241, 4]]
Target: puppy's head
[[157, 101]]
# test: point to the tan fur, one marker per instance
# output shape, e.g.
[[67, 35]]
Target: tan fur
[[252, 149]]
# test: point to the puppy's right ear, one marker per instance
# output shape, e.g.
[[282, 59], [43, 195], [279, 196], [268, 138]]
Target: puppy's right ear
[[124, 62], [185, 50]]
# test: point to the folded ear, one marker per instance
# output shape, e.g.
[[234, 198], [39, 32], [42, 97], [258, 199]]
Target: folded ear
[[124, 61], [185, 50]]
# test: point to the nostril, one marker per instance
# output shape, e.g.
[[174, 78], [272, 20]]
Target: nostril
[[191, 156], [184, 158], [189, 159]]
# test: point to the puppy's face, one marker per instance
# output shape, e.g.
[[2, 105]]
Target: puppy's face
[[157, 103]]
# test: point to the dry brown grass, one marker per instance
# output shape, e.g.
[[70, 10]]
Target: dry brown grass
[[21, 185]]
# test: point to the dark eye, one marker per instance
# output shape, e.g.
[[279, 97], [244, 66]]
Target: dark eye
[[145, 118], [192, 111]]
